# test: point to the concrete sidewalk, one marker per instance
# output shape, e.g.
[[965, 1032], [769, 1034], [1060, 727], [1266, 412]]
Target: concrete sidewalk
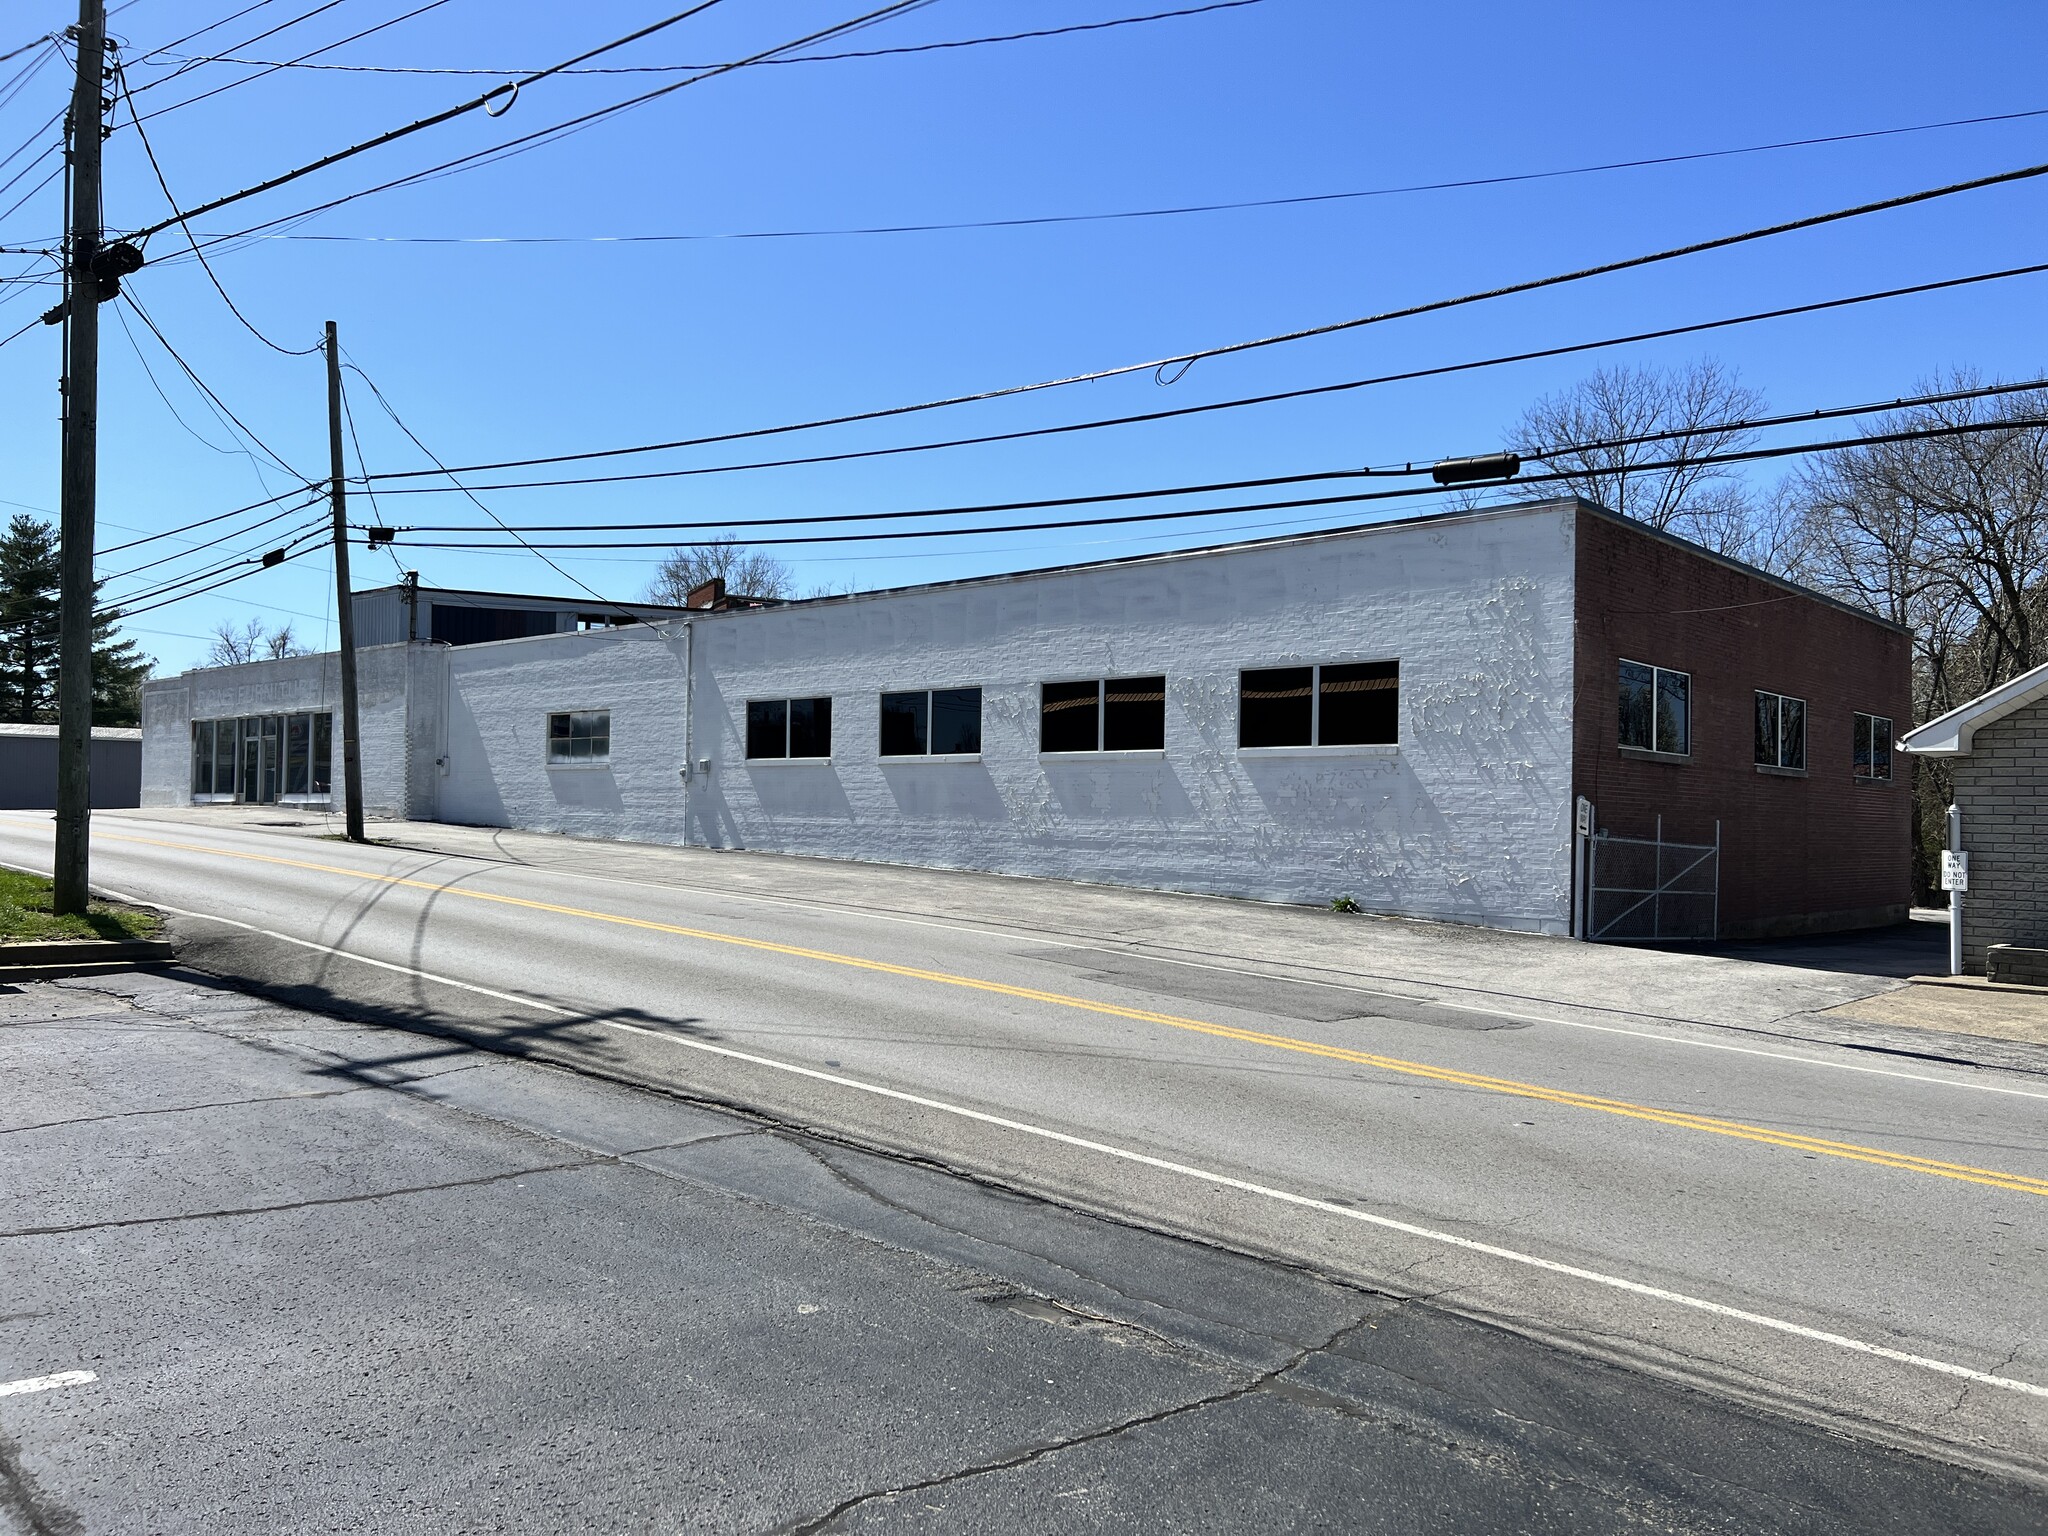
[[271, 1270], [1795, 990]]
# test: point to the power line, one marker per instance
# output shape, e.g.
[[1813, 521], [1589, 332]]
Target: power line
[[282, 26], [809, 58], [430, 121], [274, 68], [200, 548], [1138, 213], [1751, 424], [397, 421], [1182, 361], [121, 75], [1547, 477], [180, 42], [1136, 417], [481, 157], [203, 522], [136, 304]]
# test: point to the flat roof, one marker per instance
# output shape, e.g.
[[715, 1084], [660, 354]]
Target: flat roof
[[1472, 514], [49, 732], [524, 597]]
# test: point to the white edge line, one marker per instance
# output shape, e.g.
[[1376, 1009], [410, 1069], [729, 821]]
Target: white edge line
[[1660, 1037], [45, 1383], [1308, 1202]]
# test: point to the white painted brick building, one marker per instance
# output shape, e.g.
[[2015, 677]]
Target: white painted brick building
[[1463, 812]]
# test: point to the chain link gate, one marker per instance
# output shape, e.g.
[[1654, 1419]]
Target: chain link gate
[[1646, 889]]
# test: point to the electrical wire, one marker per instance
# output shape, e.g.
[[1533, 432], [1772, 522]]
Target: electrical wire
[[430, 121], [1142, 213], [203, 522], [184, 69], [121, 76], [525, 142], [1743, 456], [220, 405], [1133, 418], [201, 32], [1409, 471], [273, 69], [226, 538], [399, 422], [129, 613], [809, 58]]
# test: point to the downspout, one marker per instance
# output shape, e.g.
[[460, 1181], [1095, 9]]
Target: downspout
[[689, 719]]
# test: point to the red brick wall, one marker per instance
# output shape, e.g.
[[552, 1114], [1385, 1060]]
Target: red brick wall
[[1798, 854]]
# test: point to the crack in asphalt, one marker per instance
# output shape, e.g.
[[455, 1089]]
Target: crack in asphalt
[[820, 1522], [177, 1109], [812, 1148], [301, 1205], [23, 1500]]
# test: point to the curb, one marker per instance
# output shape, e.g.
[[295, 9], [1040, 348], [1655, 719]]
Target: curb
[[56, 959]]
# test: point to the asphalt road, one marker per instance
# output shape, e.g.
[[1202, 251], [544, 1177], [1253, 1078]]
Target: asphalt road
[[268, 1271], [1853, 1240]]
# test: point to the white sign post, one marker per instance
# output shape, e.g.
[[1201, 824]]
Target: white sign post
[[1955, 879]]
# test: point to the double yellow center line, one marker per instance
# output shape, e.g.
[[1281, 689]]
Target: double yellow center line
[[1682, 1119]]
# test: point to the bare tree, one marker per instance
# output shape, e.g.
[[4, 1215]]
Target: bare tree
[[746, 572], [252, 642], [1948, 535], [1605, 432]]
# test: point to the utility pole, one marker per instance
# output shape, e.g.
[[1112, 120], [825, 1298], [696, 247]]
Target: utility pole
[[351, 751], [73, 857]]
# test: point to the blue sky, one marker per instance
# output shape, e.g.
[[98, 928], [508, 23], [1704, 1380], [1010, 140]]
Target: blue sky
[[503, 351]]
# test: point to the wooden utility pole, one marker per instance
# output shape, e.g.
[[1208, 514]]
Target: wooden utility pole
[[73, 857], [351, 751]]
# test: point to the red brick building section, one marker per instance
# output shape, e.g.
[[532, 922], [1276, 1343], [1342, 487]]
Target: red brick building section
[[1809, 851]]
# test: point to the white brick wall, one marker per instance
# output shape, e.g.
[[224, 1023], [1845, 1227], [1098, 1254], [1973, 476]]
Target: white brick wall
[[1467, 819]]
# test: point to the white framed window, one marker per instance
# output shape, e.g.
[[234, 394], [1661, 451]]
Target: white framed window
[[789, 728], [1873, 747], [1656, 709], [1780, 731], [1332, 704], [1116, 714], [931, 722], [579, 738]]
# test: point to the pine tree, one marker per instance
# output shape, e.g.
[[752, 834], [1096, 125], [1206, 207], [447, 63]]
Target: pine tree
[[30, 573], [31, 576]]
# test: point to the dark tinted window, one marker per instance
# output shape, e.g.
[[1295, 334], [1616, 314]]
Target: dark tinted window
[[323, 754], [768, 728], [1275, 707], [1134, 714], [1638, 682], [463, 624], [1674, 711], [1792, 734], [905, 718], [1067, 717], [810, 727], [1873, 747], [1360, 704], [1767, 729], [956, 720]]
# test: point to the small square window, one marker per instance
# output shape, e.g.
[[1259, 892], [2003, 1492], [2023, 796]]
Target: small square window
[[1134, 714], [580, 736], [1070, 717], [1276, 707]]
